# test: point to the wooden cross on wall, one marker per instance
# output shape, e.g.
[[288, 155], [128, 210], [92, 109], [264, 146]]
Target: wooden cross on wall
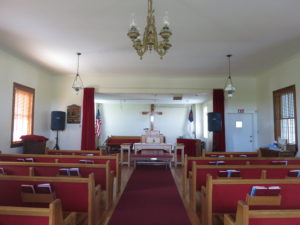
[[152, 113]]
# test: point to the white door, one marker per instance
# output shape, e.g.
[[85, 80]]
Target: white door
[[239, 132]]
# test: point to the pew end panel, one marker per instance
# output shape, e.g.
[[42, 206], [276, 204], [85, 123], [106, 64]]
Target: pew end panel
[[245, 216], [52, 215]]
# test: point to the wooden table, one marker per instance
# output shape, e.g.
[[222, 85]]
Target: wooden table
[[125, 147], [160, 146]]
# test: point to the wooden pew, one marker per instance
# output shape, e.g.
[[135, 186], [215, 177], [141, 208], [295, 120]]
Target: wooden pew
[[53, 215], [231, 154], [72, 152], [114, 161], [188, 162], [116, 141], [102, 174], [199, 175], [245, 216], [221, 196], [77, 195]]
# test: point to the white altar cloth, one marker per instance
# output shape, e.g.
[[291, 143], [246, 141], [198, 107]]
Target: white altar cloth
[[159, 146]]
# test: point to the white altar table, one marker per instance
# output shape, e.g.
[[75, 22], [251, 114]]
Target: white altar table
[[159, 146]]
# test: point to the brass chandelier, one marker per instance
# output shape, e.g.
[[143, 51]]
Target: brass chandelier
[[77, 83], [229, 88], [150, 38]]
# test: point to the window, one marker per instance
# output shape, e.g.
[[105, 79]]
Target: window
[[238, 124], [205, 122], [22, 113], [285, 119]]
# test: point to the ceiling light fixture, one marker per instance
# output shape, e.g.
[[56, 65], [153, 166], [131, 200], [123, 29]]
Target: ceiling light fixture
[[150, 37], [229, 88], [77, 83]]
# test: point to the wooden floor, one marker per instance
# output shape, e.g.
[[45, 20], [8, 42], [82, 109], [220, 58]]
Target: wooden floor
[[177, 174]]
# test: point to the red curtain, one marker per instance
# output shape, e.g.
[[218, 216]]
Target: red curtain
[[218, 107], [88, 120]]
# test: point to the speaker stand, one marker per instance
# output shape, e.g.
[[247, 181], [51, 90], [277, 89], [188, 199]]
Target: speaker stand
[[56, 147]]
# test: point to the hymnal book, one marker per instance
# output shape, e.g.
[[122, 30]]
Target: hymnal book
[[233, 173], [258, 191], [90, 154], [294, 173], [43, 188], [85, 161], [2, 171], [29, 160], [64, 172], [265, 191], [229, 173], [20, 159], [216, 163], [221, 156], [74, 172], [28, 188], [282, 162], [243, 156], [273, 191], [222, 173]]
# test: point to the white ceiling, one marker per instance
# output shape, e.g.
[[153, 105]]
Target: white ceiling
[[259, 33]]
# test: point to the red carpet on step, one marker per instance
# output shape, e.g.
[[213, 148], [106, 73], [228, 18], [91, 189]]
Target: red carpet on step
[[150, 198]]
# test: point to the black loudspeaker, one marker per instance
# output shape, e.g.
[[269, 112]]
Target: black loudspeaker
[[58, 120], [214, 121]]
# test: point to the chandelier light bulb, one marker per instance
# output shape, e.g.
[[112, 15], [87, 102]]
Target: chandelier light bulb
[[166, 19], [133, 24]]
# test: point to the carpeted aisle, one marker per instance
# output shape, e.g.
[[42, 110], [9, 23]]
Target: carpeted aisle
[[150, 198]]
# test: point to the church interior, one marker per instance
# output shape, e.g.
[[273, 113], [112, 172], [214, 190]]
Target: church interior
[[149, 112]]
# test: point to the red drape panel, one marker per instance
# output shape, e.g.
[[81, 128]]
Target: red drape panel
[[88, 120], [218, 107]]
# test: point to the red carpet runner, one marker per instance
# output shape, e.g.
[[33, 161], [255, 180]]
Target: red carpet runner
[[150, 198]]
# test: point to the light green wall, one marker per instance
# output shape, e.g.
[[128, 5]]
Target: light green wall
[[280, 76], [14, 69]]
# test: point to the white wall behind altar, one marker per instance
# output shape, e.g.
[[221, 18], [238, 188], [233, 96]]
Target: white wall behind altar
[[127, 120], [245, 97], [280, 76], [15, 69]]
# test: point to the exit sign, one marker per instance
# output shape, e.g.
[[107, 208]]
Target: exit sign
[[241, 110]]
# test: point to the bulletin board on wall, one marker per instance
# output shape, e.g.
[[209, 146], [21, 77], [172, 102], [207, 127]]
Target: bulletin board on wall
[[73, 114]]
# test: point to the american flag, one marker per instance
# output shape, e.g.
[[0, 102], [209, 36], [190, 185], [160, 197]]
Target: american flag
[[191, 117], [98, 124]]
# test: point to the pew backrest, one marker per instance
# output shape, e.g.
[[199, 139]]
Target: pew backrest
[[73, 152], [222, 196], [188, 163], [113, 159], [51, 215], [245, 216], [76, 194]]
